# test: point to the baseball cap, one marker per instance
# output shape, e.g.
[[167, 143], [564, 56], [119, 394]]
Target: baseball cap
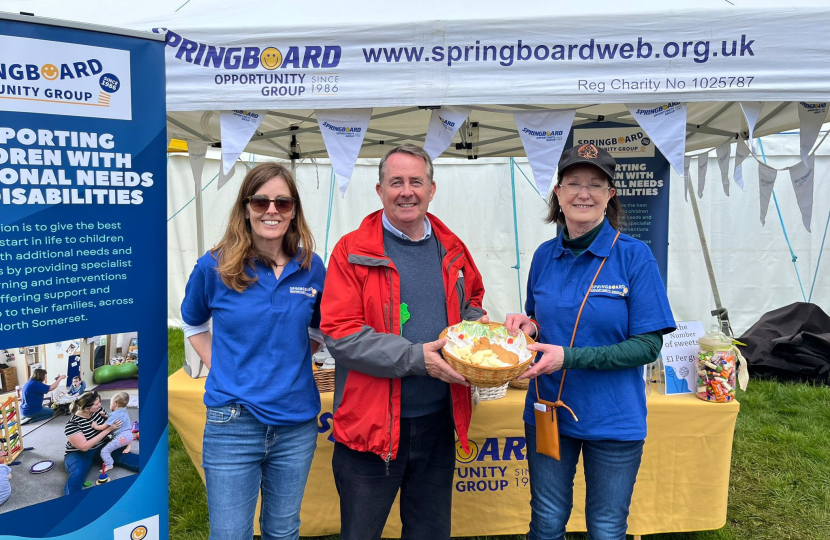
[[588, 154]]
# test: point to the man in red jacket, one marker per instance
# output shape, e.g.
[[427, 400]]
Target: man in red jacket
[[392, 286]]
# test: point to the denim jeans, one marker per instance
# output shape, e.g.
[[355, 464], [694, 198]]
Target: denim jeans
[[78, 464], [423, 471], [242, 456], [610, 472], [43, 414]]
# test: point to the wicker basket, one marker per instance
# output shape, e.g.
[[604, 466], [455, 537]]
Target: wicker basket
[[486, 377], [324, 379], [524, 384], [489, 394]]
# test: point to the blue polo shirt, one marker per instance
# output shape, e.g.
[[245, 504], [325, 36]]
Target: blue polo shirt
[[33, 394], [261, 354], [627, 299]]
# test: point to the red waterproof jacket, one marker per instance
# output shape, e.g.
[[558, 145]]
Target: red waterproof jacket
[[361, 321]]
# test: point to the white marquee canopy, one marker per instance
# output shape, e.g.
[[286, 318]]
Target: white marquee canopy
[[592, 56]]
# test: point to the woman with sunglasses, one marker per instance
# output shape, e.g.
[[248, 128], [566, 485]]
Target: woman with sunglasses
[[261, 286], [620, 329]]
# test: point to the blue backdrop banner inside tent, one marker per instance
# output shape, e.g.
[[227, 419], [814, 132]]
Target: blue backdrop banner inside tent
[[83, 255], [642, 182]]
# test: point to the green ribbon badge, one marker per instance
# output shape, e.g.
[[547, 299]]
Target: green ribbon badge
[[404, 315]]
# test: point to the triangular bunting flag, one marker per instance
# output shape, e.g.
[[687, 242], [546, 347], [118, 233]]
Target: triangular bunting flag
[[702, 165], [343, 132], [752, 111], [665, 124], [810, 117], [198, 151], [443, 124], [543, 136], [766, 181], [801, 176], [237, 129], [741, 153], [723, 152]]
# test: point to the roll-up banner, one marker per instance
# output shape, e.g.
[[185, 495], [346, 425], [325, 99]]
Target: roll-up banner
[[82, 278], [642, 180]]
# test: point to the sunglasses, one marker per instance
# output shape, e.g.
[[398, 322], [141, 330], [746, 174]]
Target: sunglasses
[[261, 203]]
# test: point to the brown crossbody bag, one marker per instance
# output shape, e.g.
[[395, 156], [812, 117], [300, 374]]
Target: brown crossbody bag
[[547, 423]]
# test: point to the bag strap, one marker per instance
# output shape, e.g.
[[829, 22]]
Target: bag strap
[[558, 402]]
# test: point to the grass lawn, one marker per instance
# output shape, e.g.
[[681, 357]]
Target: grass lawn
[[780, 483]]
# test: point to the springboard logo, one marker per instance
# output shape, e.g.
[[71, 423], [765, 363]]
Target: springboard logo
[[448, 124], [815, 108], [63, 78], [270, 58], [484, 468], [50, 71], [311, 292], [798, 182], [346, 131], [545, 135], [668, 108]]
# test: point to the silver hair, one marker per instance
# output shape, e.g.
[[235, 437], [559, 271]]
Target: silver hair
[[412, 150]]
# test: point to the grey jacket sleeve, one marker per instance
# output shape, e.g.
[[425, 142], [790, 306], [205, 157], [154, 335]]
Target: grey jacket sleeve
[[378, 354]]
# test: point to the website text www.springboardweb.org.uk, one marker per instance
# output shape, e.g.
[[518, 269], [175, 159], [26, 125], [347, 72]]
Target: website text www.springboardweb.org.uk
[[700, 51]]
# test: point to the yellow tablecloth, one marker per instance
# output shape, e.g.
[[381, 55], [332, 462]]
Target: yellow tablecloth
[[682, 484]]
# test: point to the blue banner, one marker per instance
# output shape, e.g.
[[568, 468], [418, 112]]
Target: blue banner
[[642, 180], [83, 265]]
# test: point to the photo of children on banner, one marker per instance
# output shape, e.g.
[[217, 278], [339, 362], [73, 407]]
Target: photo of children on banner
[[82, 435]]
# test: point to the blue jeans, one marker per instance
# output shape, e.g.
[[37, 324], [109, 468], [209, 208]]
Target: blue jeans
[[78, 464], [242, 456], [610, 472], [43, 414], [423, 472]]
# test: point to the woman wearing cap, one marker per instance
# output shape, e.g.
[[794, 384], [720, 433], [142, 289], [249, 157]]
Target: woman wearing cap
[[261, 286], [620, 329]]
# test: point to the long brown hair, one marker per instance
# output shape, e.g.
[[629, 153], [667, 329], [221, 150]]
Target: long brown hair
[[236, 250], [614, 211]]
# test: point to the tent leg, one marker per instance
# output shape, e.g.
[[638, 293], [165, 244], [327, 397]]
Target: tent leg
[[720, 312], [200, 232], [518, 266]]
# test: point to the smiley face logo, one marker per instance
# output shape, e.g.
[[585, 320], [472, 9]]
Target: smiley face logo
[[49, 72], [463, 457], [138, 533], [270, 58]]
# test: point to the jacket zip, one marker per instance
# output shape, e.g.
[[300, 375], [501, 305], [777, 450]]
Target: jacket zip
[[460, 307], [391, 382]]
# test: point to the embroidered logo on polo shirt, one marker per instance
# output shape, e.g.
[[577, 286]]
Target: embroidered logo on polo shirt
[[311, 292], [619, 290]]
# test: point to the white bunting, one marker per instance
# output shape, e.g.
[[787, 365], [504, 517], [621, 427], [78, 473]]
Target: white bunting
[[723, 163], [665, 124], [810, 117], [702, 165], [237, 129], [801, 176], [343, 132], [741, 153], [443, 124], [766, 181], [752, 111], [198, 151], [687, 177], [224, 178], [543, 136]]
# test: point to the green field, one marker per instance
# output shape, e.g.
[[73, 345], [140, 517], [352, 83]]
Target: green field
[[779, 490]]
